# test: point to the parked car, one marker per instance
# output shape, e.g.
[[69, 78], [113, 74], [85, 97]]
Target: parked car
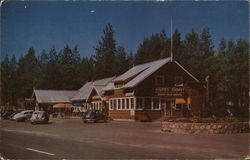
[[12, 115], [39, 117], [94, 116], [23, 116], [7, 113]]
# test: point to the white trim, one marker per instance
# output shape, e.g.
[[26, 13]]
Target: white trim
[[34, 150], [134, 102], [167, 61], [186, 71], [149, 74]]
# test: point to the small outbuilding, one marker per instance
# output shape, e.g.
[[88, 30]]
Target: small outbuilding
[[45, 99]]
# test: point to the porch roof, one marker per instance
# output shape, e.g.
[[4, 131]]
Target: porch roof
[[53, 96]]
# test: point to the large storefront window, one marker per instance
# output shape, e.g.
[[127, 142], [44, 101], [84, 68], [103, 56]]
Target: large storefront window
[[111, 105], [148, 103], [119, 104], [139, 103], [132, 103], [127, 103], [123, 103], [114, 103]]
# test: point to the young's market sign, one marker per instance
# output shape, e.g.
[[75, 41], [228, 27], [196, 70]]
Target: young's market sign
[[170, 91]]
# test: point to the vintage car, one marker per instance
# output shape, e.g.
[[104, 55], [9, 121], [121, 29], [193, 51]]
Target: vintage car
[[94, 116], [23, 116], [39, 117]]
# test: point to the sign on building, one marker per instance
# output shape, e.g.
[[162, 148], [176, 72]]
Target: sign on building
[[169, 91]]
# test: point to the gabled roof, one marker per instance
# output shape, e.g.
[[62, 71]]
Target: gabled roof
[[84, 92], [140, 72], [109, 86], [151, 68], [103, 82], [140, 68], [53, 96]]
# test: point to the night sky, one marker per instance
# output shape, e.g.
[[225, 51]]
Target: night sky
[[45, 24]]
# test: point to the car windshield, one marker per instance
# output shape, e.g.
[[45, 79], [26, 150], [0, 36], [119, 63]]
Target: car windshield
[[88, 113], [38, 113]]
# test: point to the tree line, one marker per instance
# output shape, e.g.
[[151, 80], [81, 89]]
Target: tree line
[[226, 68]]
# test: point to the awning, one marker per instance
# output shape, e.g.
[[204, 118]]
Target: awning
[[77, 105], [62, 105], [182, 100]]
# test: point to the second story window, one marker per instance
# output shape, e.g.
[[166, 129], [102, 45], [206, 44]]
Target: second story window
[[118, 85], [159, 80], [178, 81]]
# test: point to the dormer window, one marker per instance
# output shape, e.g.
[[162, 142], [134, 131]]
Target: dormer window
[[118, 85], [178, 81], [159, 80]]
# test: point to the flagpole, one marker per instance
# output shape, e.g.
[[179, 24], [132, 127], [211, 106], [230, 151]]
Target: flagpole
[[171, 42]]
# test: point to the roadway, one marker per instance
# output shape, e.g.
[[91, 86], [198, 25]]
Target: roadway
[[71, 139]]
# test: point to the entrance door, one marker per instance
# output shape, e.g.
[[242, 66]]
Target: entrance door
[[166, 107]]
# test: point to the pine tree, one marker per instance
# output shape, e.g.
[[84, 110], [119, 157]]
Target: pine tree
[[105, 54], [4, 80], [152, 49], [206, 43], [121, 60], [239, 74], [178, 48], [28, 73]]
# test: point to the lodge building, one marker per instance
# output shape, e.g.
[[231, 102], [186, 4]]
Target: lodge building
[[147, 91], [153, 90]]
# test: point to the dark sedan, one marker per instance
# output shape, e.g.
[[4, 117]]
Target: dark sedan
[[94, 116], [6, 114]]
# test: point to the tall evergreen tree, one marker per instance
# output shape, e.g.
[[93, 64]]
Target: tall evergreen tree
[[122, 63], [4, 80], [43, 60], [28, 73], [105, 54], [69, 62], [178, 48], [239, 73], [151, 49], [53, 70], [206, 43]]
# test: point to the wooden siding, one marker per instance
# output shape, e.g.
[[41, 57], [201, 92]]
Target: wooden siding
[[120, 114], [118, 93], [151, 114]]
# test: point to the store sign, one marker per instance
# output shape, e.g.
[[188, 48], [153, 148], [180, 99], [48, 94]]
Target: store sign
[[170, 91]]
